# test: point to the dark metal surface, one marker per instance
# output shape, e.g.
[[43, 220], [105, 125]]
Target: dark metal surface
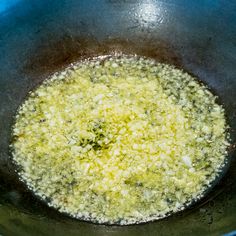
[[39, 37]]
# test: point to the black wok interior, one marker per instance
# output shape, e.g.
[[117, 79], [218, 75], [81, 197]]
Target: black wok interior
[[38, 38]]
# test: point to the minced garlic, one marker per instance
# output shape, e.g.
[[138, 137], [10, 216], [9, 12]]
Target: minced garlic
[[119, 140]]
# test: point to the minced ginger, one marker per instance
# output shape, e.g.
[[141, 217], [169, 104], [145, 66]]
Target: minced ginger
[[119, 140]]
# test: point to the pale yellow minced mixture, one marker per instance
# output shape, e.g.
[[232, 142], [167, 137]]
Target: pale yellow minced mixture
[[120, 140]]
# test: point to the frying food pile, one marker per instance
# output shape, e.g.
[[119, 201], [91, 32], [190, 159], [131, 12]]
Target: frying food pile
[[119, 140]]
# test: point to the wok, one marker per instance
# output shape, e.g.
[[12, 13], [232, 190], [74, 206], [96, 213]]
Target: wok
[[38, 38]]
